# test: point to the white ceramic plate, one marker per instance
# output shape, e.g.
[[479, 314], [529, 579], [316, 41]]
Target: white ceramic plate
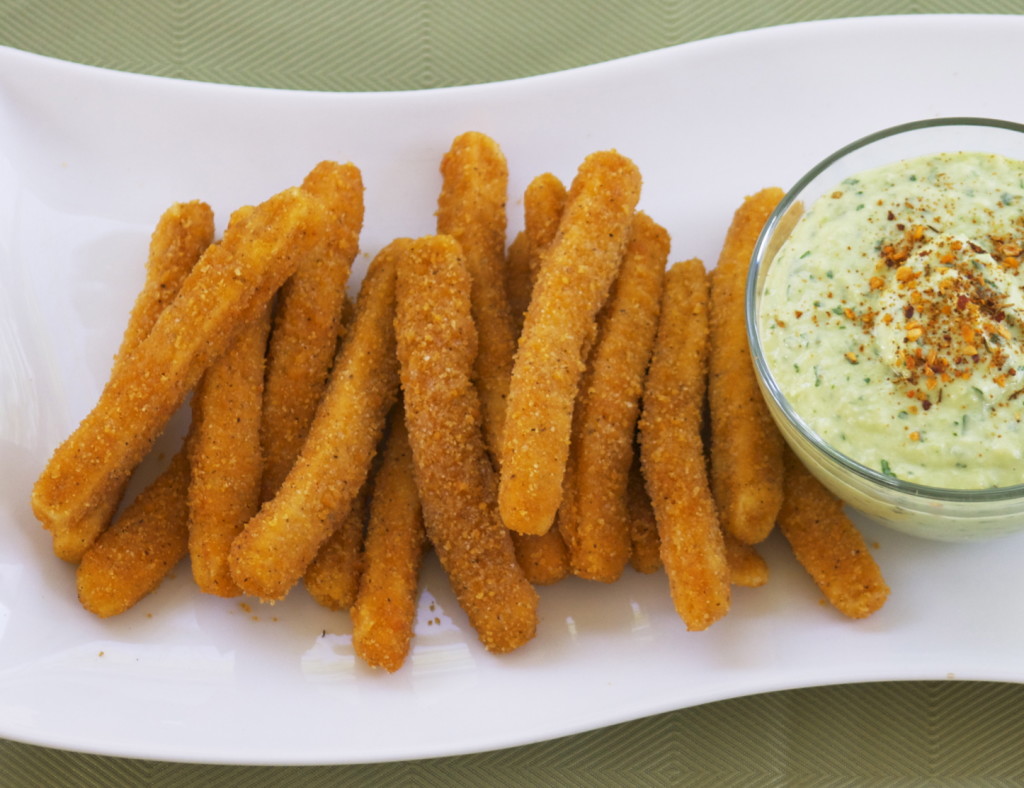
[[88, 160]]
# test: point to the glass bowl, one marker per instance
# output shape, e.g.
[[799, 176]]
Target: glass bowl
[[945, 513]]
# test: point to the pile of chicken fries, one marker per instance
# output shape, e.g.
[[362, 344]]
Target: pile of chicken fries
[[528, 408]]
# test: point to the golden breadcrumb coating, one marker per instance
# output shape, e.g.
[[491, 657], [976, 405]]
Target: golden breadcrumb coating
[[385, 607], [544, 557], [308, 323], [746, 566], [332, 577], [543, 203], [179, 239], [746, 448], [456, 481], [572, 284], [146, 541], [227, 288], [273, 550], [828, 545], [645, 555], [131, 558], [471, 209], [226, 456], [593, 517], [672, 451]]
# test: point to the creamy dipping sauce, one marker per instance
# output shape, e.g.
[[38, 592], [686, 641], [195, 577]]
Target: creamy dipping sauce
[[891, 320]]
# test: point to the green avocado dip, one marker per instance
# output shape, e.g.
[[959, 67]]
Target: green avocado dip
[[892, 320]]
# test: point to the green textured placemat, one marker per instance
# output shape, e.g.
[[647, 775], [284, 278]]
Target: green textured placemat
[[917, 733], [905, 734], [397, 44]]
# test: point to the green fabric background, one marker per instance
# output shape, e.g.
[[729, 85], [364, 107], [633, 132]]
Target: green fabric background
[[915, 733]]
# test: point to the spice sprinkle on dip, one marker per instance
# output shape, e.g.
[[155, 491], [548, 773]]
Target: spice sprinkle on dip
[[891, 320]]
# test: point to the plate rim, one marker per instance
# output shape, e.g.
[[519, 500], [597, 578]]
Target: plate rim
[[390, 95]]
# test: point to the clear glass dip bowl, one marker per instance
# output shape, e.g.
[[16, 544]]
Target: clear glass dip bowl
[[931, 512]]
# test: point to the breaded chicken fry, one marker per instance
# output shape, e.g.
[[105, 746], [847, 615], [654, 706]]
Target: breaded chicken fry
[[307, 323], [518, 279], [746, 448], [572, 284], [278, 544], [131, 558], [643, 528], [227, 288], [543, 203], [692, 548], [828, 545], [178, 241], [471, 209], [544, 557], [385, 608], [332, 578], [146, 541], [456, 481], [593, 517], [180, 237], [746, 566], [226, 456]]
